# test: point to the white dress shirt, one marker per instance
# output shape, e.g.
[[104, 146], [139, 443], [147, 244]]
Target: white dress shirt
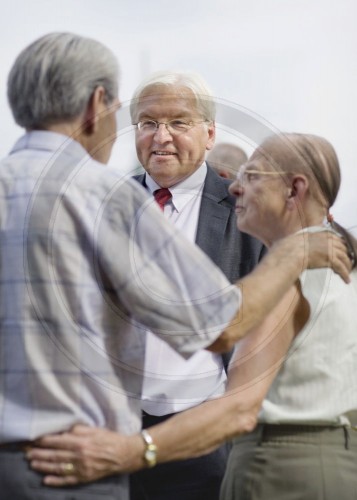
[[171, 383]]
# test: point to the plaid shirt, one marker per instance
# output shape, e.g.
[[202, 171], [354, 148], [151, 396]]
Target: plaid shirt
[[88, 263]]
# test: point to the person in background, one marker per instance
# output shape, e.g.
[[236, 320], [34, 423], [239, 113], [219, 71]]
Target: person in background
[[174, 113], [226, 158]]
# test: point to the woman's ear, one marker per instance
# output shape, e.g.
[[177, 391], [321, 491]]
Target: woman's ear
[[297, 190]]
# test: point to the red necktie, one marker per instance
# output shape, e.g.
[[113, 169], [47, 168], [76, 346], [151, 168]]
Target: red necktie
[[162, 196]]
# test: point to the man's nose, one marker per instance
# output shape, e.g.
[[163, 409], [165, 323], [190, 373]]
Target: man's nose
[[162, 134]]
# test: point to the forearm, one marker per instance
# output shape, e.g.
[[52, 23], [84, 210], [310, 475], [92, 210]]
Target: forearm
[[201, 429], [257, 359], [99, 452], [276, 273]]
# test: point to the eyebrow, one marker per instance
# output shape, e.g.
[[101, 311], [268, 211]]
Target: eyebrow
[[185, 115]]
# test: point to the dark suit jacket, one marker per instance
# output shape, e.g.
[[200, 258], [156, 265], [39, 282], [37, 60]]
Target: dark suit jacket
[[235, 253]]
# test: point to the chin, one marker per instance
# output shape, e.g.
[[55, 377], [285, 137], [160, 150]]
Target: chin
[[159, 169], [247, 228], [242, 225]]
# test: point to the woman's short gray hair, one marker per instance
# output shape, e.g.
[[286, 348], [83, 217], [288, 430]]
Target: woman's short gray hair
[[53, 79], [178, 81]]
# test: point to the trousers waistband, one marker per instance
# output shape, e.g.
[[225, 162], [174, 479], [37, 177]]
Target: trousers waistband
[[16, 446], [149, 420], [301, 434], [271, 430]]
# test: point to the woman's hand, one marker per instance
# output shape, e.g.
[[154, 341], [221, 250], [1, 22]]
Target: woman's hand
[[85, 454]]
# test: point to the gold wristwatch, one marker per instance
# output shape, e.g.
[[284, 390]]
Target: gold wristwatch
[[150, 449]]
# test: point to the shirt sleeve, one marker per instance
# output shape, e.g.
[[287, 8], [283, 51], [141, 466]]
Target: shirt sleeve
[[163, 281]]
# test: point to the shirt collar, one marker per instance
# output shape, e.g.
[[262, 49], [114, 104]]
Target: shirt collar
[[45, 140], [184, 191]]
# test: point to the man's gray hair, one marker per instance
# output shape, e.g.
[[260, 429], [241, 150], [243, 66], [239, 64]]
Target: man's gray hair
[[179, 82], [53, 79]]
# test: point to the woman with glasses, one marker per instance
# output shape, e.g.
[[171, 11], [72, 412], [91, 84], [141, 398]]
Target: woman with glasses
[[305, 445]]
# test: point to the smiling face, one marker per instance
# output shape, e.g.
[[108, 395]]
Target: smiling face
[[171, 158]]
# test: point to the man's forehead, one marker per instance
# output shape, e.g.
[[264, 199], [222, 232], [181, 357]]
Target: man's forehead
[[167, 92], [159, 95]]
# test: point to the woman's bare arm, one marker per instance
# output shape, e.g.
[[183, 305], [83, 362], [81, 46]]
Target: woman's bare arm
[[98, 452]]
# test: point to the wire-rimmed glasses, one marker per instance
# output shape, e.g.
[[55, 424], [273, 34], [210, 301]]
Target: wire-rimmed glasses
[[174, 127]]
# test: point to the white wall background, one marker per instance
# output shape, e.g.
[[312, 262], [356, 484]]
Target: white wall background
[[291, 62]]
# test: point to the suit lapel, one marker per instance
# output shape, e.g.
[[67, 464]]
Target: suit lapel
[[213, 217]]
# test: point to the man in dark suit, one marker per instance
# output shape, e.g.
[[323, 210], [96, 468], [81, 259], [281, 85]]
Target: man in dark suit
[[174, 114]]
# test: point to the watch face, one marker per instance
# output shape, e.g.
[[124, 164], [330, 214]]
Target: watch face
[[150, 451], [150, 455]]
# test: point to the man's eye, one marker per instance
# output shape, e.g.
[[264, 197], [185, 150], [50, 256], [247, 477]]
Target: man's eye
[[148, 124], [179, 124]]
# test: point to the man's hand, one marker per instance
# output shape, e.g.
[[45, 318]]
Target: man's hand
[[85, 454], [316, 250], [263, 288], [337, 254]]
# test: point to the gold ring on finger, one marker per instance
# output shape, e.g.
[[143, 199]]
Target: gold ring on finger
[[68, 468]]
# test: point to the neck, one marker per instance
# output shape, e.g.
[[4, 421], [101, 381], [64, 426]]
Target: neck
[[71, 129], [295, 224]]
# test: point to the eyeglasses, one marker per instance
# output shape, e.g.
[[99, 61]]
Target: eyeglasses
[[247, 176], [174, 127]]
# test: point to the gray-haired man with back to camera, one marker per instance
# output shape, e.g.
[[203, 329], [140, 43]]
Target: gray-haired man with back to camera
[[81, 276]]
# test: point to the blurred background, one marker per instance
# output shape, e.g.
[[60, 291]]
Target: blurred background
[[287, 65]]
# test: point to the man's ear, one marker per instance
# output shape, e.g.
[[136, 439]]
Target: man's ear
[[211, 135], [226, 174], [95, 107]]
